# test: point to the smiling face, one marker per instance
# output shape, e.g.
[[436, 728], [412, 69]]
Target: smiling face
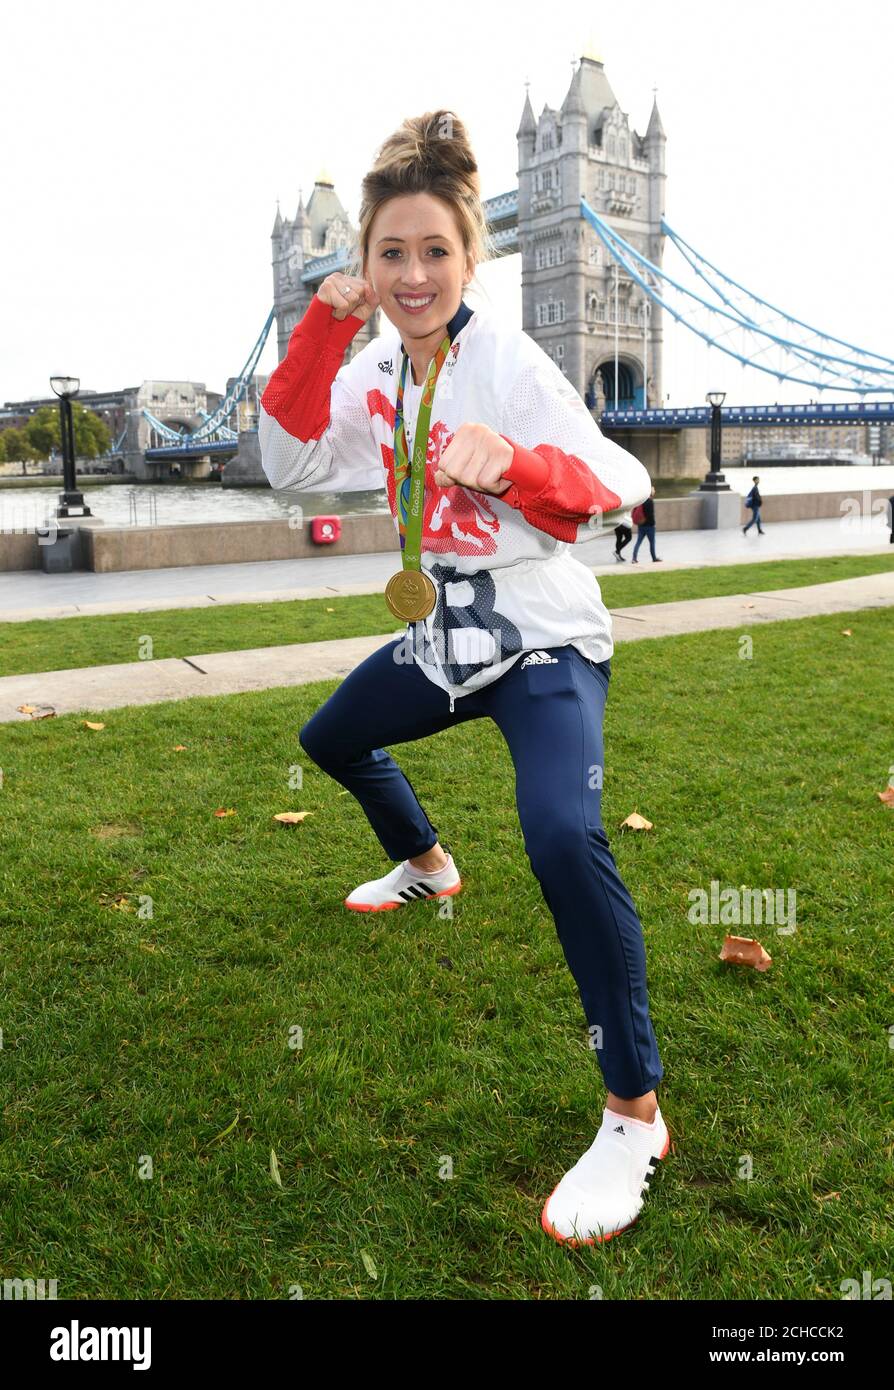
[[416, 254]]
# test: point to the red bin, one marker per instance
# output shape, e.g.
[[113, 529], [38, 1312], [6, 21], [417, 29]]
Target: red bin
[[325, 529]]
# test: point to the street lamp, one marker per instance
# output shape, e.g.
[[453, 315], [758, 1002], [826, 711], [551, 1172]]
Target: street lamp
[[714, 479], [71, 501]]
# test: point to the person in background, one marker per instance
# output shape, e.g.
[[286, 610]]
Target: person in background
[[623, 536], [891, 505], [644, 517], [753, 501]]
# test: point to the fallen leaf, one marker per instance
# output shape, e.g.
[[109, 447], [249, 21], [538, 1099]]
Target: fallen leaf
[[292, 817], [827, 1196], [636, 822], [330, 610], [225, 1132], [118, 900], [37, 711], [745, 950], [887, 796], [179, 747], [221, 812], [88, 725], [369, 1265], [846, 632], [274, 1169]]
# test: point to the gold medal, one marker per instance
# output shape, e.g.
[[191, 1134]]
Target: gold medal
[[410, 595]]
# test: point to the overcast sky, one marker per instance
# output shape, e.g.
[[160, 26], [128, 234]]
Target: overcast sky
[[145, 146]]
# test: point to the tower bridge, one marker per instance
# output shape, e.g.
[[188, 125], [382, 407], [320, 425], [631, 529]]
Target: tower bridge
[[588, 222]]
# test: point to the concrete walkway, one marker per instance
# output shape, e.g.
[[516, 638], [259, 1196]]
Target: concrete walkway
[[30, 594], [100, 688]]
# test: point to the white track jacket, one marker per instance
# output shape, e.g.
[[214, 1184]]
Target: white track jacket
[[506, 580]]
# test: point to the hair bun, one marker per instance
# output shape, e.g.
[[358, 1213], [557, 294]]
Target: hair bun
[[432, 154]]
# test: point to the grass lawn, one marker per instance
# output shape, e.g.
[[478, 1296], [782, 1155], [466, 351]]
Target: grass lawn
[[59, 644], [427, 1037]]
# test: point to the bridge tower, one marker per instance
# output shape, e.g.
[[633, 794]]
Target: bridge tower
[[321, 229], [568, 277]]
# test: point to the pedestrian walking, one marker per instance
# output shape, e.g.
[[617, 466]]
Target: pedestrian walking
[[753, 502], [644, 518], [623, 537]]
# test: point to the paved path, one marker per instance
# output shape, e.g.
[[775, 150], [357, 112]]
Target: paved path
[[223, 673], [33, 594]]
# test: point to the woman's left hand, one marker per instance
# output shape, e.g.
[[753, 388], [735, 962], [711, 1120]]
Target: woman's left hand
[[476, 457]]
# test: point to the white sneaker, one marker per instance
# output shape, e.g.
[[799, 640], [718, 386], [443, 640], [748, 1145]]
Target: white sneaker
[[603, 1193], [404, 885]]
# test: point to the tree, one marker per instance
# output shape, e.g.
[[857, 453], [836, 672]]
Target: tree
[[91, 434], [16, 446]]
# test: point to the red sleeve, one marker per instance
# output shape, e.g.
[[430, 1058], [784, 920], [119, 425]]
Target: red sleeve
[[545, 481], [297, 394]]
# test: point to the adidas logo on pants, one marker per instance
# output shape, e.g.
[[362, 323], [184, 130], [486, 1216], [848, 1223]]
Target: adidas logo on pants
[[539, 659]]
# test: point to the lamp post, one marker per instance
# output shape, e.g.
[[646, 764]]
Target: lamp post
[[714, 479], [71, 501]]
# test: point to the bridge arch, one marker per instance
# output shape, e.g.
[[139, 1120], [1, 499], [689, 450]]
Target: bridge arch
[[601, 385]]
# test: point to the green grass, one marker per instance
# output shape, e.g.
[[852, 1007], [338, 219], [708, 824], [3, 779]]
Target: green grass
[[60, 644], [424, 1036]]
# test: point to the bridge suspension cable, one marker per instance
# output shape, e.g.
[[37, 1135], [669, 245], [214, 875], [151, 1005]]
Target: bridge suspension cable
[[701, 265], [735, 330], [214, 428]]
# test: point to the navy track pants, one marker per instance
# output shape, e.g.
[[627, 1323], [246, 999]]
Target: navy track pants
[[550, 715]]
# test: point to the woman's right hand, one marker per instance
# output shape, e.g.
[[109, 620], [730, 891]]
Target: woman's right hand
[[345, 294]]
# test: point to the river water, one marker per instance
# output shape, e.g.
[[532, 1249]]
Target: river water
[[173, 504]]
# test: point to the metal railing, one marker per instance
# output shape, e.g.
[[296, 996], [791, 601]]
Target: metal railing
[[151, 509]]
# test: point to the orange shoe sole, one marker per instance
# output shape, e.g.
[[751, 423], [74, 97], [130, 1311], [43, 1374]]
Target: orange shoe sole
[[575, 1241], [386, 907]]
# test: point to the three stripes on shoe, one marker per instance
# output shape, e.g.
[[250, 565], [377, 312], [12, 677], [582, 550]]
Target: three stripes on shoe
[[414, 891]]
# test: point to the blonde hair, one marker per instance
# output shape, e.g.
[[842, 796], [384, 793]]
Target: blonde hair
[[427, 154]]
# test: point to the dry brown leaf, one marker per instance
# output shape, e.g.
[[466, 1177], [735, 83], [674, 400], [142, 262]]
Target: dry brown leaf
[[887, 796], [119, 901], [636, 822], [846, 632], [222, 812], [745, 950], [88, 725], [37, 711], [179, 747], [292, 817]]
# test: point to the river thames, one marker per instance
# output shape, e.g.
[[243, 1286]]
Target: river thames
[[175, 504]]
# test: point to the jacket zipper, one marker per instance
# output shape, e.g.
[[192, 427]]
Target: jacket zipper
[[450, 686], [434, 644]]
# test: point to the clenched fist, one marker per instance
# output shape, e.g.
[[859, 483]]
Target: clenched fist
[[345, 294], [476, 457]]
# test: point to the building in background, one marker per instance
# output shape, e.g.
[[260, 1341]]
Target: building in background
[[576, 302], [572, 299]]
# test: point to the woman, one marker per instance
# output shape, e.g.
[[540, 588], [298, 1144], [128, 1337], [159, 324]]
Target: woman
[[494, 467], [645, 528]]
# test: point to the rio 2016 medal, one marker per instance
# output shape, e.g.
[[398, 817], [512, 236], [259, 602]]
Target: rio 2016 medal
[[410, 595]]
